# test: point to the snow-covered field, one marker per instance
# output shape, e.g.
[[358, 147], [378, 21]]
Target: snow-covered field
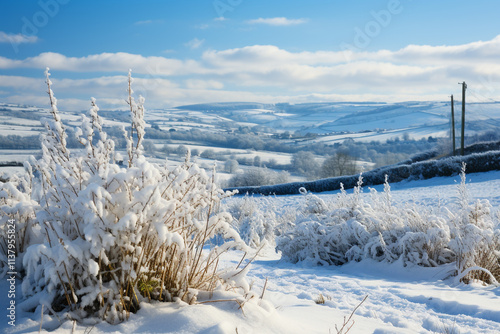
[[334, 122], [409, 299]]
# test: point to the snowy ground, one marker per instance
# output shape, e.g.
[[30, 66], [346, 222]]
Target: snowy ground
[[400, 299], [442, 190]]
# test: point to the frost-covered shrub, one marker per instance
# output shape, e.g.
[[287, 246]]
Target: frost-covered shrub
[[476, 239], [258, 176], [18, 208], [259, 220], [105, 237], [255, 220], [352, 229]]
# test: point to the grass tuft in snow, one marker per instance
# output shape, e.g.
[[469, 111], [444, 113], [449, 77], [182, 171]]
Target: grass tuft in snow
[[321, 299], [449, 329]]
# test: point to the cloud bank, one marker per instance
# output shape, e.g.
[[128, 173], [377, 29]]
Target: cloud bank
[[267, 73]]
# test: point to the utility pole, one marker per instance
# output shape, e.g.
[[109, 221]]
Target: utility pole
[[453, 124], [464, 87]]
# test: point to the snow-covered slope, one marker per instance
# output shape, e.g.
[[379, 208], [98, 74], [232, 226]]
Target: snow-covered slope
[[371, 121], [334, 122]]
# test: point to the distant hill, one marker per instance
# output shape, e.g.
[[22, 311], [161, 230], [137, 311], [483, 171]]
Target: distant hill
[[370, 120]]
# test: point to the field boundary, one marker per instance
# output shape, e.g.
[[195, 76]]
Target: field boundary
[[450, 166]]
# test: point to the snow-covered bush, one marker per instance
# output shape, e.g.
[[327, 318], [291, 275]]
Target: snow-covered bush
[[259, 220], [255, 219], [258, 176], [18, 208], [106, 238], [476, 241], [351, 229]]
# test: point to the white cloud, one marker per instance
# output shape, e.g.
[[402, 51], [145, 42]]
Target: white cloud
[[277, 21], [421, 69], [267, 73], [203, 84], [16, 38], [21, 83], [106, 62], [195, 43]]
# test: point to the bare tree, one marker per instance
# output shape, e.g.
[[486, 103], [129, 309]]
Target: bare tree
[[149, 147], [339, 164], [231, 166], [208, 154], [181, 150], [305, 163], [257, 162]]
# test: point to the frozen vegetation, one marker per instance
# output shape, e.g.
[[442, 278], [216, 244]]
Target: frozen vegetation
[[352, 228], [143, 247], [94, 239], [305, 297]]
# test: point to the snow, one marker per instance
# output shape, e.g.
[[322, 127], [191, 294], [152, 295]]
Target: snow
[[443, 189], [332, 121], [401, 299], [19, 130]]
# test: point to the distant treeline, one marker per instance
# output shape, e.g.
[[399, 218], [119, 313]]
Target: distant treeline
[[16, 142], [26, 114], [381, 153], [373, 151], [11, 164]]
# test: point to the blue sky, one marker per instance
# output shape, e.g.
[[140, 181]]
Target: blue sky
[[194, 51]]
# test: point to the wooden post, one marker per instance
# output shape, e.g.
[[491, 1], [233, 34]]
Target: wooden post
[[453, 124], [464, 87]]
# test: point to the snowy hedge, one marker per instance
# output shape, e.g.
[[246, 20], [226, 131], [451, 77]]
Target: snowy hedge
[[96, 239], [476, 163]]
